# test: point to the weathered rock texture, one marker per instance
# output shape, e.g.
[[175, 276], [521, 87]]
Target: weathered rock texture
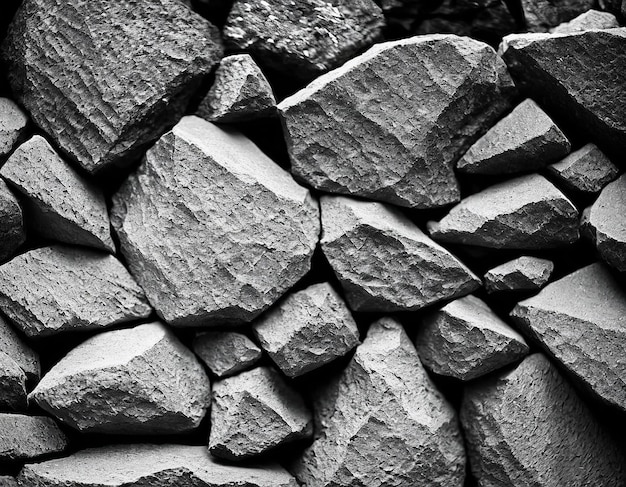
[[134, 67], [307, 330], [226, 352], [592, 19], [211, 228], [55, 289], [521, 274], [140, 380], [389, 124], [385, 262], [6, 481], [29, 437], [11, 223], [541, 15], [13, 122], [528, 427]]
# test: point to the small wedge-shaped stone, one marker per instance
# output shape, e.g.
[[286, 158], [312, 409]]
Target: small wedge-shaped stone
[[150, 465], [541, 15], [55, 289], [383, 422], [592, 19], [521, 274], [388, 125], [239, 93], [528, 428], [6, 481], [581, 320], [307, 329], [211, 228], [12, 385], [465, 339], [60, 203], [226, 352], [12, 125], [12, 233], [384, 261], [524, 140], [523, 213], [140, 380], [29, 437], [14, 346], [255, 412]]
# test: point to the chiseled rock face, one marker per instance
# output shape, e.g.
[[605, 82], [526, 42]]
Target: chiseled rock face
[[307, 329], [55, 289], [211, 228], [140, 380], [12, 124], [591, 19], [226, 352], [528, 428], [405, 110], [382, 422], [523, 213], [465, 339], [153, 465], [541, 15], [521, 274], [255, 412], [28, 437], [581, 320], [385, 262], [135, 66], [61, 203], [11, 223], [12, 385]]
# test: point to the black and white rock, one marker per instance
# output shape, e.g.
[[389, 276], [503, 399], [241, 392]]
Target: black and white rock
[[226, 352], [211, 228], [523, 213], [13, 122], [59, 202], [591, 19], [522, 274], [28, 437], [255, 412], [542, 15], [140, 380], [14, 346], [11, 223], [134, 64], [6, 481], [528, 427], [397, 110]]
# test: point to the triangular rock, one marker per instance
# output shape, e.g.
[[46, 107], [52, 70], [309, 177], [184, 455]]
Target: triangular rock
[[521, 274], [226, 352], [11, 223], [12, 125], [591, 19], [29, 437]]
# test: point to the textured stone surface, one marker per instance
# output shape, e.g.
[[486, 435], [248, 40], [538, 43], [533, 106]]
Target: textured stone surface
[[581, 320], [58, 288], [226, 352], [60, 203], [524, 140], [11, 223], [307, 329], [592, 19], [153, 465], [522, 274], [523, 213], [541, 15], [405, 110], [12, 124], [384, 261], [28, 437], [12, 385], [528, 427], [383, 422], [303, 38], [211, 228], [135, 66], [465, 339], [254, 412], [6, 481], [140, 380]]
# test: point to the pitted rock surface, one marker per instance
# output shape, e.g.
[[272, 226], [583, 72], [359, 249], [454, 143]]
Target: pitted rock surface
[[541, 15], [28, 437], [226, 352], [521, 274], [11, 223], [13, 122], [591, 19], [12, 385]]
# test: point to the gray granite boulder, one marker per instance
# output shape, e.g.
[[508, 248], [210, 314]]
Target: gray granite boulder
[[522, 274], [29, 437], [226, 352], [591, 19], [542, 15]]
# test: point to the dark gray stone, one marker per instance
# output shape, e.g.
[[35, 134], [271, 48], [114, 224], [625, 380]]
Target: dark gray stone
[[541, 15], [29, 437], [6, 481], [521, 274], [592, 19], [11, 223], [13, 122], [226, 352], [12, 385]]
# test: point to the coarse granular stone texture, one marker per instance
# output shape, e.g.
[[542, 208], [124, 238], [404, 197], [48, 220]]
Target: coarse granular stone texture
[[522, 274], [28, 437], [381, 421], [57, 289], [523, 213], [465, 339], [303, 38], [134, 65], [389, 124], [528, 428], [11, 223], [211, 228], [12, 385], [239, 93], [6, 481], [13, 122], [581, 321], [59, 202], [592, 19], [141, 465], [255, 412], [384, 262], [307, 329], [139, 380], [226, 352], [542, 15], [15, 347], [523, 141]]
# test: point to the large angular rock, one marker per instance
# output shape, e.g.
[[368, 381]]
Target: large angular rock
[[384, 261], [524, 140], [303, 38], [523, 213], [12, 385], [134, 67], [522, 274], [140, 380], [592, 19], [383, 422], [211, 228], [11, 223], [255, 412], [60, 203], [153, 465], [29, 437], [581, 321], [405, 110], [13, 122], [528, 428], [542, 15], [55, 289], [226, 352]]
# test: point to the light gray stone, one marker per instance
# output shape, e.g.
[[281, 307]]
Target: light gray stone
[[12, 385], [592, 19], [226, 352], [521, 274], [6, 481], [13, 122], [16, 348], [541, 15], [11, 223], [28, 437]]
